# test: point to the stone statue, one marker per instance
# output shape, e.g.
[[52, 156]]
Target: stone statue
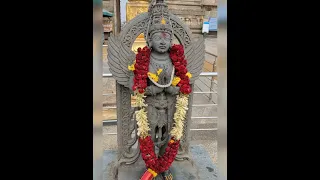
[[160, 88]]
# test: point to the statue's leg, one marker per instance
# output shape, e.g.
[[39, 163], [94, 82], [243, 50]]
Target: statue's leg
[[153, 133], [164, 134]]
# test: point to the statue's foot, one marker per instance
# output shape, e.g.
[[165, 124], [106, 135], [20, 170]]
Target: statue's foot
[[167, 175]]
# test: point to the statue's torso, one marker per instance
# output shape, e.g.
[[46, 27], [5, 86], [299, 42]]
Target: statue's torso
[[167, 68], [161, 106]]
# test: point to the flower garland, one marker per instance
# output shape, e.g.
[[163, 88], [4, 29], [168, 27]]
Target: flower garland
[[140, 69]]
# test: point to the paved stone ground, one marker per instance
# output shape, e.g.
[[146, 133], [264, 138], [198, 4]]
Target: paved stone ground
[[206, 138]]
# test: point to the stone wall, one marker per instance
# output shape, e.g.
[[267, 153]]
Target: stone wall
[[194, 12], [210, 8], [189, 11]]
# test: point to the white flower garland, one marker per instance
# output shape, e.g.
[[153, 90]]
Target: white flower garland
[[179, 116], [141, 116]]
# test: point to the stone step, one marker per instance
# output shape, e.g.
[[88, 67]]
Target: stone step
[[203, 135], [109, 114], [196, 125]]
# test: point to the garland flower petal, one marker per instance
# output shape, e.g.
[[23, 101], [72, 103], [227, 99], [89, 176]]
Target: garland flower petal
[[140, 102], [131, 67], [176, 81], [159, 71], [189, 75], [153, 76], [142, 122]]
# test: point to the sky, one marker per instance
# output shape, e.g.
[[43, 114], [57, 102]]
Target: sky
[[123, 9]]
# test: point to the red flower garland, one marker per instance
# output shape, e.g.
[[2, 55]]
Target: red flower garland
[[158, 164], [163, 163], [141, 69], [180, 64]]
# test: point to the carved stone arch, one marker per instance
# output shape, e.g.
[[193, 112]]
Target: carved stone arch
[[139, 25], [181, 31], [133, 29]]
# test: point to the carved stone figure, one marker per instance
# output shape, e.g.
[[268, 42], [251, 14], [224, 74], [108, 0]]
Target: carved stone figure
[[159, 27]]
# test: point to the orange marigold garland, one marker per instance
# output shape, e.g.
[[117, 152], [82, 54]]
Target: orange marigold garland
[[140, 67]]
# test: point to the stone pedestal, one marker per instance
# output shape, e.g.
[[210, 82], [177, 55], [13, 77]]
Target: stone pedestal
[[201, 168]]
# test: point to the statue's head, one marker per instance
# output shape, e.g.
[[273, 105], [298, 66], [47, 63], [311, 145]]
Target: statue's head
[[160, 31]]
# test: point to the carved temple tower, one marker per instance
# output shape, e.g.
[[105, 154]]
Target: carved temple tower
[[192, 12]]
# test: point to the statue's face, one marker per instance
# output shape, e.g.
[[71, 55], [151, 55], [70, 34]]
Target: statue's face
[[161, 42]]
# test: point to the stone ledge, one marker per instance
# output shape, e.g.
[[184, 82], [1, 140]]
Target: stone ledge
[[181, 11], [184, 3]]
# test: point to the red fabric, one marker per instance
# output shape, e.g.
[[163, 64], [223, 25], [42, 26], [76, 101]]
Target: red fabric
[[147, 176]]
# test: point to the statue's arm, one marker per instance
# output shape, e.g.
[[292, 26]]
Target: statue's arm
[[153, 90], [174, 90]]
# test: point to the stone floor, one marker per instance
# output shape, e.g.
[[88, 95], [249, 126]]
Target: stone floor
[[206, 138]]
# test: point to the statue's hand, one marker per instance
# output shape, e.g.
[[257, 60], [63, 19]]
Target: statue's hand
[[153, 90], [174, 90]]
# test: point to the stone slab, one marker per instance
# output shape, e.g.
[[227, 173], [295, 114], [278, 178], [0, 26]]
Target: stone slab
[[183, 170]]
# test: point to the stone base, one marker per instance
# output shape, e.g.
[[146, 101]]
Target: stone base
[[202, 167]]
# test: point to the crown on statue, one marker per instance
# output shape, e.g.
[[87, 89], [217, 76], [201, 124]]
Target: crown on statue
[[159, 18]]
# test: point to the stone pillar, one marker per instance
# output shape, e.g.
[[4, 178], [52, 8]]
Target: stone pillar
[[116, 17], [108, 21]]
